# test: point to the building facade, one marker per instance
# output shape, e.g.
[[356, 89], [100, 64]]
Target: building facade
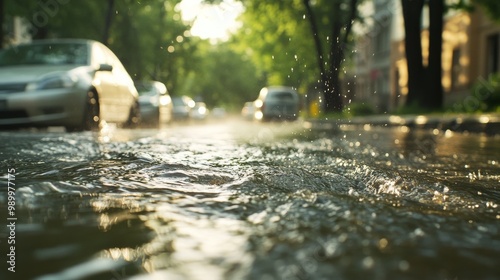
[[470, 53]]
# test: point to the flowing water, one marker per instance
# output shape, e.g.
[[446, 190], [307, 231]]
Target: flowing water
[[236, 200]]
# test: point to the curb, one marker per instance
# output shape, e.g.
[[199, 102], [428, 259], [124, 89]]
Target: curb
[[488, 124]]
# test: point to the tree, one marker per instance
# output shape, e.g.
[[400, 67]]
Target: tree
[[2, 20], [286, 38], [58, 18], [153, 43], [108, 21], [140, 34], [424, 81], [224, 77], [329, 61], [492, 7]]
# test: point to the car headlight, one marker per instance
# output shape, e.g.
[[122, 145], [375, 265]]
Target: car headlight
[[53, 81], [258, 103], [202, 110]]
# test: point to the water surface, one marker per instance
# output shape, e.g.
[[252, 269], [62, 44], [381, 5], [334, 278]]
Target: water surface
[[238, 200]]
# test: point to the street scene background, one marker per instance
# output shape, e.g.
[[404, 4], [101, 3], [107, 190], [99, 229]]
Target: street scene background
[[342, 139]]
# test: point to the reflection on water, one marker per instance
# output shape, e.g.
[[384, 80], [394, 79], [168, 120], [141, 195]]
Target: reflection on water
[[254, 201]]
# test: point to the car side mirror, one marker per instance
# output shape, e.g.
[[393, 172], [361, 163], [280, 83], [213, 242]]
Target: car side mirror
[[105, 67]]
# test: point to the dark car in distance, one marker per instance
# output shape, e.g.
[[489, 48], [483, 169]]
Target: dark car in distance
[[277, 103], [155, 103], [182, 107]]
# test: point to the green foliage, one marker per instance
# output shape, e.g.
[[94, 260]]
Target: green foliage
[[351, 110], [332, 116], [492, 8], [64, 19], [484, 97], [141, 32], [358, 109], [153, 43], [464, 5], [278, 37], [275, 36], [225, 78], [487, 93], [415, 109], [275, 45]]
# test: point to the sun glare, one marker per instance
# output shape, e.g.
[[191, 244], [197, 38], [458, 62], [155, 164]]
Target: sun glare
[[214, 22]]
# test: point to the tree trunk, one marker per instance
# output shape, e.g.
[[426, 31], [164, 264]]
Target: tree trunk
[[107, 22], [412, 14], [424, 82], [433, 95], [333, 96], [161, 24], [317, 41], [2, 19], [330, 78]]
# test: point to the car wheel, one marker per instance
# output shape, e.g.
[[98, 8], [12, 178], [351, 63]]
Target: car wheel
[[134, 116], [156, 122], [91, 115]]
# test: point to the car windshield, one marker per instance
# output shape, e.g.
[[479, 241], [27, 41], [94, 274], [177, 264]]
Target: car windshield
[[282, 95], [177, 101], [144, 89], [45, 54]]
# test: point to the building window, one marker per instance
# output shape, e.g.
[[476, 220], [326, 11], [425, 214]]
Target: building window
[[492, 54], [382, 36]]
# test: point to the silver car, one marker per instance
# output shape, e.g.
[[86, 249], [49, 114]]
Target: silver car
[[182, 107], [73, 83], [155, 103], [199, 111], [248, 111], [277, 102]]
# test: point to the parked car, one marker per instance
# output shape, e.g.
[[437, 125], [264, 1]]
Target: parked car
[[277, 102], [248, 111], [155, 103], [73, 83], [218, 113], [199, 111], [182, 107]]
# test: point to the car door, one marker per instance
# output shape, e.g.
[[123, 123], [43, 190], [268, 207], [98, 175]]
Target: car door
[[104, 82], [125, 92]]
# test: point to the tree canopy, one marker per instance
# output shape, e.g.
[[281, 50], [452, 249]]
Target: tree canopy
[[152, 41], [300, 42], [492, 7]]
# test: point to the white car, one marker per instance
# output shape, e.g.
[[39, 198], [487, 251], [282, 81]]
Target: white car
[[199, 111], [74, 83], [182, 107], [248, 111]]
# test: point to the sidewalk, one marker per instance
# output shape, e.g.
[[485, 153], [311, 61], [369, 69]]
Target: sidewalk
[[484, 123]]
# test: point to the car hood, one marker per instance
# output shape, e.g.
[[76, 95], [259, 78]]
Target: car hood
[[26, 74]]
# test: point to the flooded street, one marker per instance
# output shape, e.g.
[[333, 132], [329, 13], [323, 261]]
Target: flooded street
[[242, 200]]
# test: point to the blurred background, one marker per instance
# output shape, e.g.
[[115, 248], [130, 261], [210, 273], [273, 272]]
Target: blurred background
[[343, 56]]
